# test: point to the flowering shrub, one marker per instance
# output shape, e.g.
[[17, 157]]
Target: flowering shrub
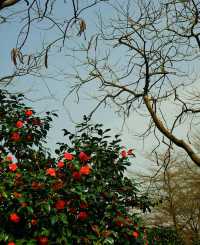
[[78, 197]]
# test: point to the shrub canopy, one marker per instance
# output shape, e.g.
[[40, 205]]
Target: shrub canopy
[[79, 195]]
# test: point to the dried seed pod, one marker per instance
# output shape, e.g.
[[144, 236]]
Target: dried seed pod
[[16, 54], [82, 26]]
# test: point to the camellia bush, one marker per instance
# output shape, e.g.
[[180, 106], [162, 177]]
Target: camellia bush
[[78, 195]]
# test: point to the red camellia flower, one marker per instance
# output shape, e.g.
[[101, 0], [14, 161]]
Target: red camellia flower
[[82, 216], [68, 156], [19, 124], [15, 136], [28, 113], [15, 218], [60, 204], [43, 240], [51, 172], [85, 170], [12, 167], [76, 175], [136, 234], [83, 156], [124, 154], [60, 164], [11, 243]]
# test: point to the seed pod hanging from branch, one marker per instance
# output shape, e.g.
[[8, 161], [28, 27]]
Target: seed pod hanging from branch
[[82, 27], [16, 54]]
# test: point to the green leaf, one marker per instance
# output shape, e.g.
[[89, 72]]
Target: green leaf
[[109, 240], [63, 218], [46, 207], [44, 232], [30, 209], [3, 236]]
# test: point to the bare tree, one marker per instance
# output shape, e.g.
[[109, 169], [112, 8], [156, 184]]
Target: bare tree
[[145, 60], [175, 190]]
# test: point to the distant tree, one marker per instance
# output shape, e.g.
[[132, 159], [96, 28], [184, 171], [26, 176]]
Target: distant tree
[[175, 192]]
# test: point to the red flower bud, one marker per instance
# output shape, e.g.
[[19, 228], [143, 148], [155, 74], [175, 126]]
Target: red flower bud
[[11, 243], [136, 234], [82, 216], [12, 167], [28, 113], [60, 204], [85, 170], [15, 218], [15, 136], [68, 156], [83, 156], [43, 240], [51, 172], [124, 154], [60, 164], [19, 124], [76, 175]]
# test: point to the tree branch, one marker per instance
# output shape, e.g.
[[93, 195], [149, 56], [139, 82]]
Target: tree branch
[[178, 142]]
